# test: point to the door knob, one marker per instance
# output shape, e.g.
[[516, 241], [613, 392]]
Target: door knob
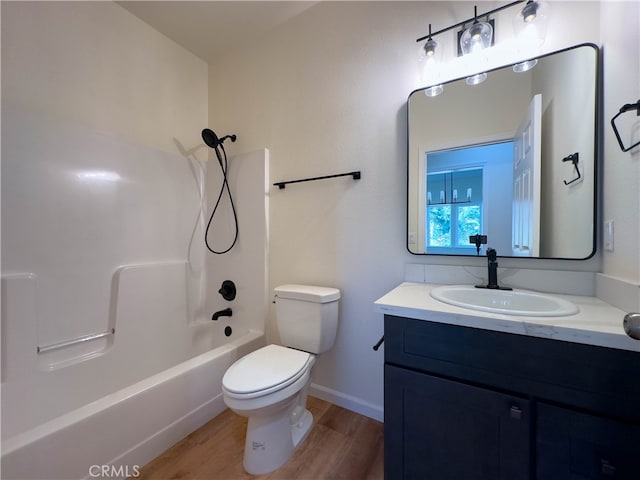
[[631, 325]]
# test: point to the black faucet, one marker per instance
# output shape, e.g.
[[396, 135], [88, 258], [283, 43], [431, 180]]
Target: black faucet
[[222, 313], [492, 258]]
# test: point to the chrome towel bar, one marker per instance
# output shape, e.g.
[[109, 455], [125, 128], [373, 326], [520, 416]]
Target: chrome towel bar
[[73, 341]]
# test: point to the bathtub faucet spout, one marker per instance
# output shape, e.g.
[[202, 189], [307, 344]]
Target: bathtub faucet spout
[[222, 313]]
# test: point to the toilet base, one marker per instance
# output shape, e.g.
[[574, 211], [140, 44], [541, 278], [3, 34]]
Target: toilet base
[[270, 441], [300, 431]]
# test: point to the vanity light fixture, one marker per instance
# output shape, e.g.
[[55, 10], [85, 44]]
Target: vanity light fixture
[[525, 66], [433, 91], [431, 46], [477, 37], [429, 58], [530, 25], [476, 79], [473, 41]]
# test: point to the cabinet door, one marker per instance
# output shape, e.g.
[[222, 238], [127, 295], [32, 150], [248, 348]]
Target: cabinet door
[[444, 430], [576, 446]]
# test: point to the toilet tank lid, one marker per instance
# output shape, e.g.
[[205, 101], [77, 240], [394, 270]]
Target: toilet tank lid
[[308, 293]]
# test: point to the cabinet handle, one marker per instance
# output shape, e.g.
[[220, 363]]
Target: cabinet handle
[[516, 412], [607, 469]]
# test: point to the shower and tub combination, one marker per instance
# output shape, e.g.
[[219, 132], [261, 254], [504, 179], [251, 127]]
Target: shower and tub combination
[[109, 351]]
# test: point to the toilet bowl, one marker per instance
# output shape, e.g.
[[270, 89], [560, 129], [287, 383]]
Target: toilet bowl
[[269, 386]]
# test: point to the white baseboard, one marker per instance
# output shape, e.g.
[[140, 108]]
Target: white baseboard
[[151, 447], [347, 401]]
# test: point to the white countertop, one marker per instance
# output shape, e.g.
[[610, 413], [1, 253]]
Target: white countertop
[[597, 323]]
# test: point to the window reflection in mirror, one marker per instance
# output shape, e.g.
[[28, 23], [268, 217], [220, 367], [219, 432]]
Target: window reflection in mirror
[[457, 189], [509, 136]]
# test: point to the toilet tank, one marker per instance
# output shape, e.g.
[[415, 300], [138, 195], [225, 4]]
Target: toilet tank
[[307, 316]]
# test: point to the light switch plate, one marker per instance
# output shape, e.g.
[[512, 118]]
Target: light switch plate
[[608, 235]]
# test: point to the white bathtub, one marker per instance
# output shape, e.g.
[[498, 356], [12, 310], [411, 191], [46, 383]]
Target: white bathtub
[[73, 408], [108, 352], [122, 431]]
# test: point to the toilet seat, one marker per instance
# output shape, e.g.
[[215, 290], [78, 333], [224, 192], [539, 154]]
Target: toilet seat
[[265, 371]]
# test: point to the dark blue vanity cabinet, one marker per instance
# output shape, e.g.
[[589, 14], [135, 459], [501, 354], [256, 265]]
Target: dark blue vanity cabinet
[[448, 430], [470, 404]]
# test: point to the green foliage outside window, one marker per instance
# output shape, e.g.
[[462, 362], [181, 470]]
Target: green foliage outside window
[[468, 224], [439, 226], [466, 220]]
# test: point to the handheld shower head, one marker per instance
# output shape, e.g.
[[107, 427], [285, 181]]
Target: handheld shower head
[[212, 140]]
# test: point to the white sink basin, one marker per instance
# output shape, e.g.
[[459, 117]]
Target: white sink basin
[[508, 302]]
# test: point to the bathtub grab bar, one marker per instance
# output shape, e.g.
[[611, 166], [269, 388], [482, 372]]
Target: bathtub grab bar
[[67, 343]]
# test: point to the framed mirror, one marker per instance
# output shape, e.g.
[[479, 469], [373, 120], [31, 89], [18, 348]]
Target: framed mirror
[[513, 159]]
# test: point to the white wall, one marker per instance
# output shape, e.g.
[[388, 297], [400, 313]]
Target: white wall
[[326, 93], [96, 65], [620, 35]]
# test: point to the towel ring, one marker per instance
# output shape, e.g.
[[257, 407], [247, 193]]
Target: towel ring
[[625, 108]]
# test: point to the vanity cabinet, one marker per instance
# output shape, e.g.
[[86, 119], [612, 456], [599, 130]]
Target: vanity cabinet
[[575, 445], [466, 403], [451, 430]]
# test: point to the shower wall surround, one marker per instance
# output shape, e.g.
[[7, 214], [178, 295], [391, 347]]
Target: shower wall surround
[[106, 187], [94, 170], [77, 204]]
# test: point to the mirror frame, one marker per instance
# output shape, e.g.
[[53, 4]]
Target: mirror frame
[[598, 79]]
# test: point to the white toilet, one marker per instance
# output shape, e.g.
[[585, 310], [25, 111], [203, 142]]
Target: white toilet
[[269, 386]]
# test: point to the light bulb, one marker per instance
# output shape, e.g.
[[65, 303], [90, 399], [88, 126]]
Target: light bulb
[[433, 91], [525, 66], [476, 79], [530, 24], [473, 42], [476, 38], [428, 60], [430, 48]]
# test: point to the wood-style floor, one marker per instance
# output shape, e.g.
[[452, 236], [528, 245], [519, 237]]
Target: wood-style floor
[[341, 445]]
